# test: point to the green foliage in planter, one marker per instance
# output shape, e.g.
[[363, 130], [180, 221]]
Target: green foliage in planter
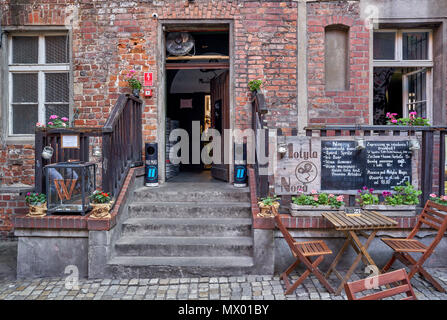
[[269, 201], [404, 195], [255, 85], [315, 199], [33, 198], [367, 197], [100, 197], [440, 200]]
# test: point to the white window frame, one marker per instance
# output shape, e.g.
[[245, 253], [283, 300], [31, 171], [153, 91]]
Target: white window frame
[[40, 68], [398, 62]]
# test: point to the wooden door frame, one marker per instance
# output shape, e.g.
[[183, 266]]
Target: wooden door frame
[[162, 93]]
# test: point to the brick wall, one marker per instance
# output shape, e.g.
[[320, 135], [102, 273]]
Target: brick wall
[[10, 205], [337, 107]]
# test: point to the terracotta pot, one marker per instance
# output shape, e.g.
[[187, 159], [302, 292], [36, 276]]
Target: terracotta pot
[[311, 211]]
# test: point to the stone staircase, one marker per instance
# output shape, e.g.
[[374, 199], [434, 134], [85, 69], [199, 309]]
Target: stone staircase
[[185, 230]]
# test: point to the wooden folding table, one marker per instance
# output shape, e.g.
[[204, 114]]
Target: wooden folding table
[[354, 226]]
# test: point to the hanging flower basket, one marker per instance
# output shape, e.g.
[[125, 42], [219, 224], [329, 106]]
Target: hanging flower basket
[[37, 210]]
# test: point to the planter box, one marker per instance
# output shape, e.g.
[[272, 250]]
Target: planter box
[[392, 211], [310, 211]]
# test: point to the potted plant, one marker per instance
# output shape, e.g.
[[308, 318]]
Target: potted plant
[[412, 120], [37, 204], [55, 122], [101, 205], [367, 198], [442, 200], [265, 205], [401, 201], [255, 85], [134, 84], [315, 203]]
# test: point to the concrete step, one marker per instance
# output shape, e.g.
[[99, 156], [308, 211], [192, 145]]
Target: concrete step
[[193, 193], [222, 227], [189, 210], [179, 267], [183, 246]]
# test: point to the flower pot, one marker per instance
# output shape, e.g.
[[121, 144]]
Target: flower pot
[[101, 210], [392, 211], [311, 211], [266, 211], [37, 210]]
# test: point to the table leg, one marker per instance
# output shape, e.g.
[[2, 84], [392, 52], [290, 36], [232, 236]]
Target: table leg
[[337, 258], [362, 248]]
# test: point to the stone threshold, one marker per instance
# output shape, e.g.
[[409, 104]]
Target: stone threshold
[[78, 222]]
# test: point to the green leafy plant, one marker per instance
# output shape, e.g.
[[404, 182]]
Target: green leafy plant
[[318, 199], [269, 201], [440, 200], [100, 197], [367, 197], [33, 198], [133, 83], [412, 120], [255, 85], [403, 195]]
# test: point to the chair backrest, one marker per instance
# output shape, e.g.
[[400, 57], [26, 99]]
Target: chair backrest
[[351, 288], [289, 239], [435, 216]]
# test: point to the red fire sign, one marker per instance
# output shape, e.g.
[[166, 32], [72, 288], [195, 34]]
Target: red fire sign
[[148, 79]]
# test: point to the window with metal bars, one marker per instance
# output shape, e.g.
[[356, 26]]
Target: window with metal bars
[[39, 81]]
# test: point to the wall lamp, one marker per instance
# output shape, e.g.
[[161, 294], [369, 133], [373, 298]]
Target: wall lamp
[[414, 144], [360, 143]]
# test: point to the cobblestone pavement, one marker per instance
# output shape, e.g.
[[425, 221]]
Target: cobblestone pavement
[[209, 288]]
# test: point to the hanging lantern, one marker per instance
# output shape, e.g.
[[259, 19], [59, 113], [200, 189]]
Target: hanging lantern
[[69, 185]]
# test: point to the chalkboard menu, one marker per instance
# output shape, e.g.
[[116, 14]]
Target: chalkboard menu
[[381, 165]]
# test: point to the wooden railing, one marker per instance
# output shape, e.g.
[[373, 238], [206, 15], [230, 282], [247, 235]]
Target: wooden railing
[[428, 150], [258, 123], [121, 145]]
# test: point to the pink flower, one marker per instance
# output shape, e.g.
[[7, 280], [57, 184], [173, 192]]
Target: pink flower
[[64, 124], [50, 123], [432, 195], [340, 198], [331, 195], [52, 117], [388, 115], [316, 198], [64, 119], [444, 198], [313, 192], [38, 124], [413, 113], [394, 121]]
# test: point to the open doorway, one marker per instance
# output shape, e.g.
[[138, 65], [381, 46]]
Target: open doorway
[[197, 97]]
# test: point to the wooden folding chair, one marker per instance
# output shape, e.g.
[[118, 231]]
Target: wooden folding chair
[[302, 251], [435, 216], [400, 276]]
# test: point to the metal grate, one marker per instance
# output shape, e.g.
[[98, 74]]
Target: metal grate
[[24, 87], [25, 49], [24, 118], [56, 49], [60, 110], [56, 87]]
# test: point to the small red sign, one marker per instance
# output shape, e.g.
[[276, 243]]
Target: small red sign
[[148, 79], [148, 92]]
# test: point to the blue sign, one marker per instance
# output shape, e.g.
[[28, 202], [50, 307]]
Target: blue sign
[[240, 173], [152, 173]]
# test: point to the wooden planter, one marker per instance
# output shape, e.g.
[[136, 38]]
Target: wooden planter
[[266, 211], [310, 211], [392, 211], [37, 210]]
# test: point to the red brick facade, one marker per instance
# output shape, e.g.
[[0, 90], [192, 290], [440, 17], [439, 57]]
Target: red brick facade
[[337, 107]]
